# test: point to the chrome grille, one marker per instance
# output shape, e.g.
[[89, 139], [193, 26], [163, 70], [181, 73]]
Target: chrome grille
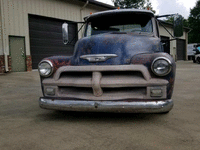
[[103, 82]]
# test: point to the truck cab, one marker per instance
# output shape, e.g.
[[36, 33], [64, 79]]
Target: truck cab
[[118, 66]]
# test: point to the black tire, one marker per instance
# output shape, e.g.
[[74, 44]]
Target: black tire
[[198, 60]]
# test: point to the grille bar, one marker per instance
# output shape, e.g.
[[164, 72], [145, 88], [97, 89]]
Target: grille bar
[[108, 93], [76, 82], [95, 68]]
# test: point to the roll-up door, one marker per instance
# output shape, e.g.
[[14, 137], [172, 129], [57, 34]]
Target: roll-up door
[[46, 38], [181, 49]]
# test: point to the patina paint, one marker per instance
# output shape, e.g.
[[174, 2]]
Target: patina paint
[[130, 49], [59, 61], [125, 46], [133, 49]]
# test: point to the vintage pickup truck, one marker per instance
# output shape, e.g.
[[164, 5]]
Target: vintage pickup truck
[[118, 66]]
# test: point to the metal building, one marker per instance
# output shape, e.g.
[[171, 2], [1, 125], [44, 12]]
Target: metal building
[[31, 30], [176, 48]]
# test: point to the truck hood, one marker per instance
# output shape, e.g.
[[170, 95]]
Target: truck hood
[[124, 45]]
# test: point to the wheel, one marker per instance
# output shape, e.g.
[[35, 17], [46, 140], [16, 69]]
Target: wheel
[[198, 60]]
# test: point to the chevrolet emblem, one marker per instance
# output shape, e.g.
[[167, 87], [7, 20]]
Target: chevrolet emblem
[[98, 57]]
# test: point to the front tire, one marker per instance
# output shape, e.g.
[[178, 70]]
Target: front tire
[[198, 60]]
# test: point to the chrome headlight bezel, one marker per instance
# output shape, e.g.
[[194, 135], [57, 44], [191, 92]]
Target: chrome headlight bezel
[[50, 67], [164, 59]]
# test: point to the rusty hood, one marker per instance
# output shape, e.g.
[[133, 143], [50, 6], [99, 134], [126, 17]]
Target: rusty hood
[[123, 45]]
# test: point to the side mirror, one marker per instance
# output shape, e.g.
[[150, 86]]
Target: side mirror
[[65, 33], [178, 25]]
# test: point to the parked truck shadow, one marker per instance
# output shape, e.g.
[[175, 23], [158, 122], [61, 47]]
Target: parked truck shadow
[[99, 116]]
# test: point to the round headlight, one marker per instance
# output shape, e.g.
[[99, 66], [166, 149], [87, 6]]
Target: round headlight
[[45, 68], [161, 66]]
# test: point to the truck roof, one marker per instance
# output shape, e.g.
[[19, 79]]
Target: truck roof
[[119, 11]]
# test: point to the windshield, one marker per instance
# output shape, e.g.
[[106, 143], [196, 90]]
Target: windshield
[[119, 23]]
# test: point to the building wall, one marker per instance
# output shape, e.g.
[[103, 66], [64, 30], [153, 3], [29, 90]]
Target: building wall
[[15, 17], [2, 60], [14, 21], [173, 52]]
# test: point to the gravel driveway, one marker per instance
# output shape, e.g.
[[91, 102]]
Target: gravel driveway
[[24, 126]]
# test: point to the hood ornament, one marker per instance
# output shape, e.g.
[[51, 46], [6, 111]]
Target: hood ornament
[[98, 57]]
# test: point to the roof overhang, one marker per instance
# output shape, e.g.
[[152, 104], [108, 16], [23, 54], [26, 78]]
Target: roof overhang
[[119, 11], [93, 2]]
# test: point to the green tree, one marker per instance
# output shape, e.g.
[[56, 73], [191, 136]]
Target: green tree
[[129, 3], [149, 6], [140, 4], [194, 24], [171, 20]]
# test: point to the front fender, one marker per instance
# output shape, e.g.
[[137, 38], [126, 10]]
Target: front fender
[[57, 62], [147, 59]]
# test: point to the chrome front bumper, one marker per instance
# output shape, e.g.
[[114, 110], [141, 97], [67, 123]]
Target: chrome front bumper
[[107, 106]]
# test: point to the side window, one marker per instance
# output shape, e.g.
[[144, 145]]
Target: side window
[[148, 27]]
